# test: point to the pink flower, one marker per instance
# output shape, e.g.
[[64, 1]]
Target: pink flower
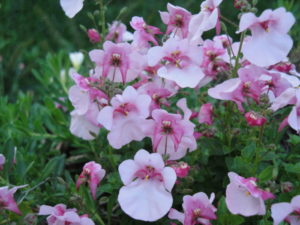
[[206, 19], [269, 36], [87, 98], [71, 7], [93, 174], [288, 212], [117, 62], [181, 62], [198, 209], [253, 81], [172, 135], [146, 194], [59, 214], [143, 33], [94, 35], [244, 197], [254, 119], [205, 114], [213, 58], [7, 200], [117, 33], [181, 169], [177, 19], [158, 94], [126, 118], [2, 161]]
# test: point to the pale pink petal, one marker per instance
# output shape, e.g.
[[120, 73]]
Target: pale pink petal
[[155, 160], [169, 178], [80, 99], [280, 211], [140, 200], [81, 127], [176, 215], [46, 210], [127, 170], [294, 119], [154, 55], [247, 20], [105, 117]]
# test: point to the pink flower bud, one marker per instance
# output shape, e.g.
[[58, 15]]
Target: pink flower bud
[[181, 169], [93, 35], [254, 119], [287, 186], [241, 4]]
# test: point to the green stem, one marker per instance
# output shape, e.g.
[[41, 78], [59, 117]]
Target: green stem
[[99, 219], [229, 21], [237, 63], [102, 17], [111, 158]]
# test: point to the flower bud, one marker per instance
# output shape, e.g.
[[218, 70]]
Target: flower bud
[[93, 35], [181, 169], [254, 119], [287, 186]]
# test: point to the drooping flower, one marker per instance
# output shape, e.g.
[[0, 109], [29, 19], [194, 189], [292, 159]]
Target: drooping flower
[[146, 194], [126, 117], [182, 62], [244, 197], [87, 98], [205, 114], [2, 161], [158, 94], [71, 7], [59, 214], [117, 62], [198, 209], [269, 36], [206, 19], [7, 200], [94, 35], [172, 135], [254, 119], [93, 174], [144, 33], [177, 20], [117, 32], [288, 212]]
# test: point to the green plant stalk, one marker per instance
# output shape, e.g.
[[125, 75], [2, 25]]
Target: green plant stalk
[[237, 63], [102, 18]]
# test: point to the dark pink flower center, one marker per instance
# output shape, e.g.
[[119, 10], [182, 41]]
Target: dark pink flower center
[[124, 109], [265, 25], [116, 60], [167, 127], [149, 173]]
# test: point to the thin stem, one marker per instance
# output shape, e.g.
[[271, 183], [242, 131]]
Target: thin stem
[[229, 21], [236, 66], [102, 18]]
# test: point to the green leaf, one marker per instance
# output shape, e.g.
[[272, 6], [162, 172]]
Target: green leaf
[[54, 166], [292, 168], [266, 174]]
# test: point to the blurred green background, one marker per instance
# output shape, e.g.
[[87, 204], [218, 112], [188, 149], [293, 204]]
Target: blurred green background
[[30, 29]]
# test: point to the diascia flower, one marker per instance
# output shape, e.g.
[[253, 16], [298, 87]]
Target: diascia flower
[[7, 200], [126, 117], [117, 32], [117, 62], [146, 194], [93, 174], [177, 19], [59, 214], [181, 62], [87, 99], [205, 114], [288, 212], [206, 19], [198, 209], [244, 197], [172, 134], [269, 36]]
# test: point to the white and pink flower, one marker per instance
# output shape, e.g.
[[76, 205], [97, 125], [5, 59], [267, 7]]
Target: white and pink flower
[[146, 194], [244, 197]]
